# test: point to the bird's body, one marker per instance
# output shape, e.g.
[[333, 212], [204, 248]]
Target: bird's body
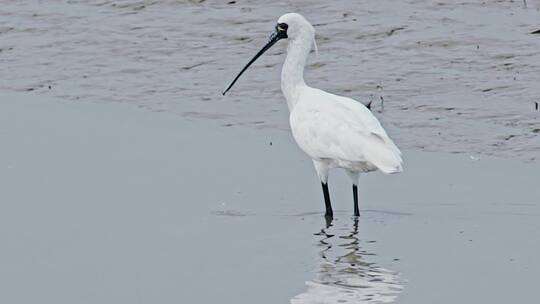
[[340, 132], [335, 131]]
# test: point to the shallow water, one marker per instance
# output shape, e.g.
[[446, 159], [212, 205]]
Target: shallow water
[[455, 76], [345, 273], [170, 222]]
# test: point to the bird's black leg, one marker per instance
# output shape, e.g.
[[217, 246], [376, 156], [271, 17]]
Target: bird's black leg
[[327, 203], [355, 198]]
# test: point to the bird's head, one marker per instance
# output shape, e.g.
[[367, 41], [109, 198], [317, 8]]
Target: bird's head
[[296, 26], [289, 26]]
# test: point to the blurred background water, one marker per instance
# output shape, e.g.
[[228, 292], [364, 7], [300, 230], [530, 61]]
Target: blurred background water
[[456, 76]]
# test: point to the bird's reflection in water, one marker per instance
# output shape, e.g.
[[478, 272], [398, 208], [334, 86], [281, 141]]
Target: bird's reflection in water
[[344, 273]]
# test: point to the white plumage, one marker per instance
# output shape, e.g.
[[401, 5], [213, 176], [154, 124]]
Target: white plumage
[[335, 131], [340, 132]]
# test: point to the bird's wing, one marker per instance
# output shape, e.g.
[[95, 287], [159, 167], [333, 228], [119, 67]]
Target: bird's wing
[[365, 117], [335, 127]]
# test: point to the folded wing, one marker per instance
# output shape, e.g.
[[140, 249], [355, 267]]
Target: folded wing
[[343, 129]]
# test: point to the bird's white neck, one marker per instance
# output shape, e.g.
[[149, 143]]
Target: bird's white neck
[[292, 74]]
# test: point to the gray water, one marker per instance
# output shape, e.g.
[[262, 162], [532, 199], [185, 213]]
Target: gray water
[[455, 76], [104, 203]]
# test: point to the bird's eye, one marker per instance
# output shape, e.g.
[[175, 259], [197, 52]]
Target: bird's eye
[[282, 27]]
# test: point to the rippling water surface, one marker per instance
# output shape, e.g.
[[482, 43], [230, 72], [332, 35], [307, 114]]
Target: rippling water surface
[[457, 76], [345, 273]]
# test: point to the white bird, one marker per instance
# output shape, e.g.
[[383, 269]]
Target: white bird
[[335, 131]]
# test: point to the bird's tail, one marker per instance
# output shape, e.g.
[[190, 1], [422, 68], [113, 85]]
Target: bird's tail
[[384, 154]]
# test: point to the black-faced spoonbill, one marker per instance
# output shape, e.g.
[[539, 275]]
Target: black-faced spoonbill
[[335, 131]]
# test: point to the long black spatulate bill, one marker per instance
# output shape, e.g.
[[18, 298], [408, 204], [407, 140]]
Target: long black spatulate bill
[[274, 37]]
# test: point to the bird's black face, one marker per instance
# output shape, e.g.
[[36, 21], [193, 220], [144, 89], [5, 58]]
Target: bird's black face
[[281, 29], [279, 33]]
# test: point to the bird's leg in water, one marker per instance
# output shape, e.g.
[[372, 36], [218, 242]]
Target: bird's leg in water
[[354, 178], [355, 198], [327, 203]]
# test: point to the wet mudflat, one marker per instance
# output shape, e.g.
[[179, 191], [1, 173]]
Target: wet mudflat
[[111, 204], [455, 76]]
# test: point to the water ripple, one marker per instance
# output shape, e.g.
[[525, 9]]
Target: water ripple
[[344, 273]]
